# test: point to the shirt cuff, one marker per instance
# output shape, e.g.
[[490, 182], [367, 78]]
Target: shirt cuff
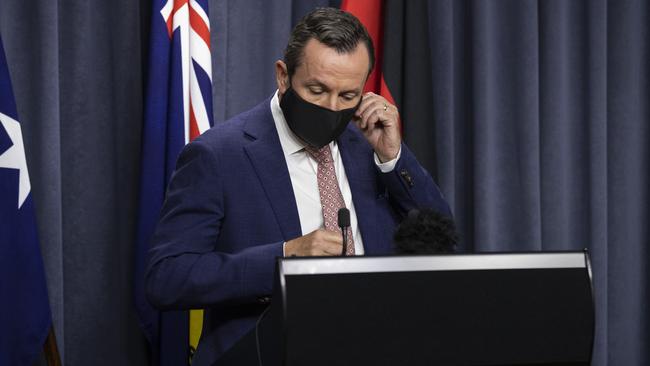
[[388, 166]]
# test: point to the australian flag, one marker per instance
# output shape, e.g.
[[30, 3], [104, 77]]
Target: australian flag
[[178, 108], [25, 317]]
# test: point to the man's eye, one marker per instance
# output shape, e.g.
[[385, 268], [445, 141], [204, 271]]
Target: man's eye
[[348, 97], [316, 91]]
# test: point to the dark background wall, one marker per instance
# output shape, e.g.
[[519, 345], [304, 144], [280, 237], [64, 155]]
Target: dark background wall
[[532, 115]]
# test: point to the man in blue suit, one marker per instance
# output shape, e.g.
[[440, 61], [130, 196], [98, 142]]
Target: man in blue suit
[[253, 189]]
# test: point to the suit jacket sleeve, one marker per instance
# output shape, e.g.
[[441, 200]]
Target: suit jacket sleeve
[[409, 186], [186, 269]]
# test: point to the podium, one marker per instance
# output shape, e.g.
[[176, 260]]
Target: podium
[[471, 309]]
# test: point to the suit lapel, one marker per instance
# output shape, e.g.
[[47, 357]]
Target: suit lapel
[[266, 156]]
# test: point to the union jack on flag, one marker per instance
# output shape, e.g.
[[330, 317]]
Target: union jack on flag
[[187, 21], [178, 108]]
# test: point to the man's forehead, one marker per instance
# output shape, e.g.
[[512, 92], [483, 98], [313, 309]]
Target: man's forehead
[[321, 64]]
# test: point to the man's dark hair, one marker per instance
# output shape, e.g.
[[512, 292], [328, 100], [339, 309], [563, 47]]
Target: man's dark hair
[[426, 232], [334, 28]]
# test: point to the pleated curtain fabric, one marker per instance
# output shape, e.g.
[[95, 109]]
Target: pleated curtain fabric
[[531, 115]]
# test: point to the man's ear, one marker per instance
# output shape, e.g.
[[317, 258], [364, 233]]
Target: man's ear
[[281, 76]]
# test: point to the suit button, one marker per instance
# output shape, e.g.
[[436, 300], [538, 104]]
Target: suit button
[[407, 177], [263, 300]]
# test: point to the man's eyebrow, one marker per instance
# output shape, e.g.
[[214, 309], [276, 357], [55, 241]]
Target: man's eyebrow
[[354, 91], [316, 82]]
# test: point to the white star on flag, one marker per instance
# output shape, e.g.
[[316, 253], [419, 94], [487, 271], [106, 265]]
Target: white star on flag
[[14, 157]]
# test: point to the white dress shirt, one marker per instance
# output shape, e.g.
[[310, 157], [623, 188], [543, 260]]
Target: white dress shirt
[[302, 171]]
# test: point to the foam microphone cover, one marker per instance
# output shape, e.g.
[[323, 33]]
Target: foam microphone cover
[[344, 217]]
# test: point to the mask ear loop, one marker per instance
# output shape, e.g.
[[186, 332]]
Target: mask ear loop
[[289, 80], [290, 86]]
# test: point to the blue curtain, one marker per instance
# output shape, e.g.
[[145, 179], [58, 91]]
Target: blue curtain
[[532, 115], [538, 133]]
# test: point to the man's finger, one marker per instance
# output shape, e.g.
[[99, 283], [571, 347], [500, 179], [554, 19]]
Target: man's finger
[[372, 119], [360, 124], [333, 248], [368, 106], [329, 245], [369, 99], [332, 236]]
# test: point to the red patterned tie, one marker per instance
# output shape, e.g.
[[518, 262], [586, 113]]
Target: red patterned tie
[[331, 199]]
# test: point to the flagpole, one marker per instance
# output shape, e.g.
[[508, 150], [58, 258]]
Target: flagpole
[[51, 350]]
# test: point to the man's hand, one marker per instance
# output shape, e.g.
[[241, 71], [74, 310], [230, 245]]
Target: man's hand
[[318, 242], [379, 122]]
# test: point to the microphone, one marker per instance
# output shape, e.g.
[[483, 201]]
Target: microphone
[[426, 232], [344, 224]]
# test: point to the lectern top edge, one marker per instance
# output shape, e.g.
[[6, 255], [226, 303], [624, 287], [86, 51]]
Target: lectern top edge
[[488, 261]]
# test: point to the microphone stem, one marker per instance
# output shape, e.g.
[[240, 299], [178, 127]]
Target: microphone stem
[[344, 231]]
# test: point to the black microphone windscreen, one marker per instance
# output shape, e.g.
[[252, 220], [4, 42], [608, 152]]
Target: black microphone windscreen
[[344, 217], [426, 232]]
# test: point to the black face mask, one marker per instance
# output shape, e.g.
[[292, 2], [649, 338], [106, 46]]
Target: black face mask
[[315, 125]]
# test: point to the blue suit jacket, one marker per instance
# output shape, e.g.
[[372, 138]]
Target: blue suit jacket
[[230, 206]]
